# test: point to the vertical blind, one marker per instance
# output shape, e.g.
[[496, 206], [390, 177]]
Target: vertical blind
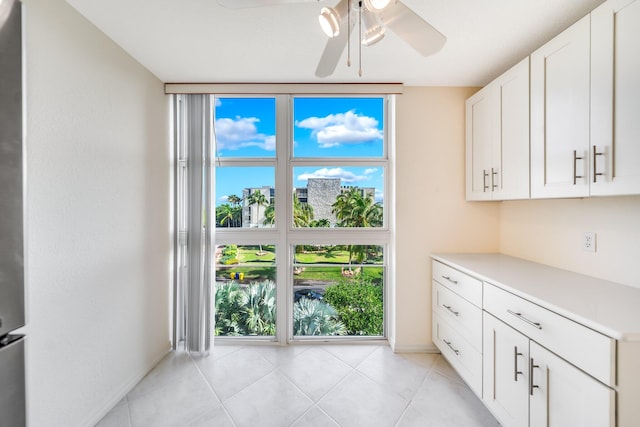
[[192, 293]]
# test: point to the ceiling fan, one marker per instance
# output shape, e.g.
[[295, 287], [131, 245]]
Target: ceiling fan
[[373, 18]]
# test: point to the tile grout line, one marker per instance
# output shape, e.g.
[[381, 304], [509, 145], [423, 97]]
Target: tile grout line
[[224, 408]]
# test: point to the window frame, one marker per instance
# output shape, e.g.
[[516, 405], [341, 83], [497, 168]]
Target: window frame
[[285, 236]]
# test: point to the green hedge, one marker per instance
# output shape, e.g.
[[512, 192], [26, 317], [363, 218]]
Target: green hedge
[[359, 305]]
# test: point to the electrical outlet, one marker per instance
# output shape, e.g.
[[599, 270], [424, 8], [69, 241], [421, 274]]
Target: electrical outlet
[[589, 242]]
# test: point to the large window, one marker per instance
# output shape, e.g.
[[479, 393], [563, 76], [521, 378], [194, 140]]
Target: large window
[[302, 231]]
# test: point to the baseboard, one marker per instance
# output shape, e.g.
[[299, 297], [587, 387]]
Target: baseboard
[[426, 348], [121, 394]]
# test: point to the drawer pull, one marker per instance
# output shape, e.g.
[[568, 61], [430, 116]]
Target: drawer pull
[[448, 307], [596, 174], [524, 319], [455, 282], [532, 385], [575, 171], [448, 343], [516, 353]]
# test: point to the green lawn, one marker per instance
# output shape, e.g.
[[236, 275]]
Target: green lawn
[[260, 266], [249, 254], [333, 257], [334, 274]]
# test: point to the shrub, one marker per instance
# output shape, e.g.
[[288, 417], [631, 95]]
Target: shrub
[[251, 310], [359, 305], [314, 317], [245, 311]]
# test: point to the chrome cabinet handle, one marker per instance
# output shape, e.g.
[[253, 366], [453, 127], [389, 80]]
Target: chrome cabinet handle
[[494, 185], [448, 343], [524, 319], [516, 353], [448, 307], [531, 384], [595, 168], [485, 175], [575, 160], [455, 282]]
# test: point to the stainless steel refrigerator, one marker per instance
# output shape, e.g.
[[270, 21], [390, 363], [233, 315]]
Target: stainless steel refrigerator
[[12, 308]]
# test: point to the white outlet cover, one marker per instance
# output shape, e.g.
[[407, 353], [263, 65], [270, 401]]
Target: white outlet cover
[[589, 242]]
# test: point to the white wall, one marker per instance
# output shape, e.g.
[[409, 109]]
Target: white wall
[[98, 247], [550, 232], [431, 212]]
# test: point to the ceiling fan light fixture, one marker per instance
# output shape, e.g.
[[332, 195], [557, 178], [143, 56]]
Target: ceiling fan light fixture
[[375, 5], [372, 32], [373, 35], [329, 21]]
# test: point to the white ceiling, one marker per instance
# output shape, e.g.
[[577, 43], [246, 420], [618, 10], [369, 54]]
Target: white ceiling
[[200, 41]]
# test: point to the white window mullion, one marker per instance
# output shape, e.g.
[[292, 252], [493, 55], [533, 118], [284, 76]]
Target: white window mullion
[[283, 208]]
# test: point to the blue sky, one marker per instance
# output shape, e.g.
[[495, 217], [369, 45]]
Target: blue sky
[[323, 127]]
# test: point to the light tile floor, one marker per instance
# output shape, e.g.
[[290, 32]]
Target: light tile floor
[[300, 385]]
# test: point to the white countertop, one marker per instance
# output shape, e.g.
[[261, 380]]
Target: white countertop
[[610, 308]]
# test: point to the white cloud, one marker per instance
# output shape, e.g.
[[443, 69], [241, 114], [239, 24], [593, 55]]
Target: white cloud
[[224, 199], [233, 134], [343, 128], [346, 177], [370, 171]]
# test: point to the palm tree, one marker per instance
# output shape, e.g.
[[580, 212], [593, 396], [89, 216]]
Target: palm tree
[[224, 214], [259, 199], [352, 209], [261, 308], [234, 200], [269, 215], [314, 317], [245, 311], [230, 301], [320, 223], [302, 213], [237, 209]]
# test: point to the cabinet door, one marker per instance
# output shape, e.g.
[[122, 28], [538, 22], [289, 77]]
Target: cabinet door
[[560, 114], [481, 121], [510, 156], [563, 395], [615, 102], [505, 372]]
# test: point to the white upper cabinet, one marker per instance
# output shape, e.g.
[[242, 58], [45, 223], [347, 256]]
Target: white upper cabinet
[[615, 98], [481, 128], [560, 114], [497, 140], [514, 131]]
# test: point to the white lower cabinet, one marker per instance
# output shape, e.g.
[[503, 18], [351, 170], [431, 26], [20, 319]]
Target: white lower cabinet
[[505, 372], [541, 346], [525, 384], [562, 395]]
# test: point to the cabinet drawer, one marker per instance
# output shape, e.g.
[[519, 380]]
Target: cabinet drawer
[[583, 347], [465, 359], [460, 313], [464, 285]]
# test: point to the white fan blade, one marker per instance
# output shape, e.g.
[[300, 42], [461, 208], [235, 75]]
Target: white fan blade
[[245, 4], [334, 48], [411, 28], [331, 55]]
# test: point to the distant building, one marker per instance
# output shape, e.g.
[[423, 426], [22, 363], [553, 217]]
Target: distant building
[[253, 215]]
